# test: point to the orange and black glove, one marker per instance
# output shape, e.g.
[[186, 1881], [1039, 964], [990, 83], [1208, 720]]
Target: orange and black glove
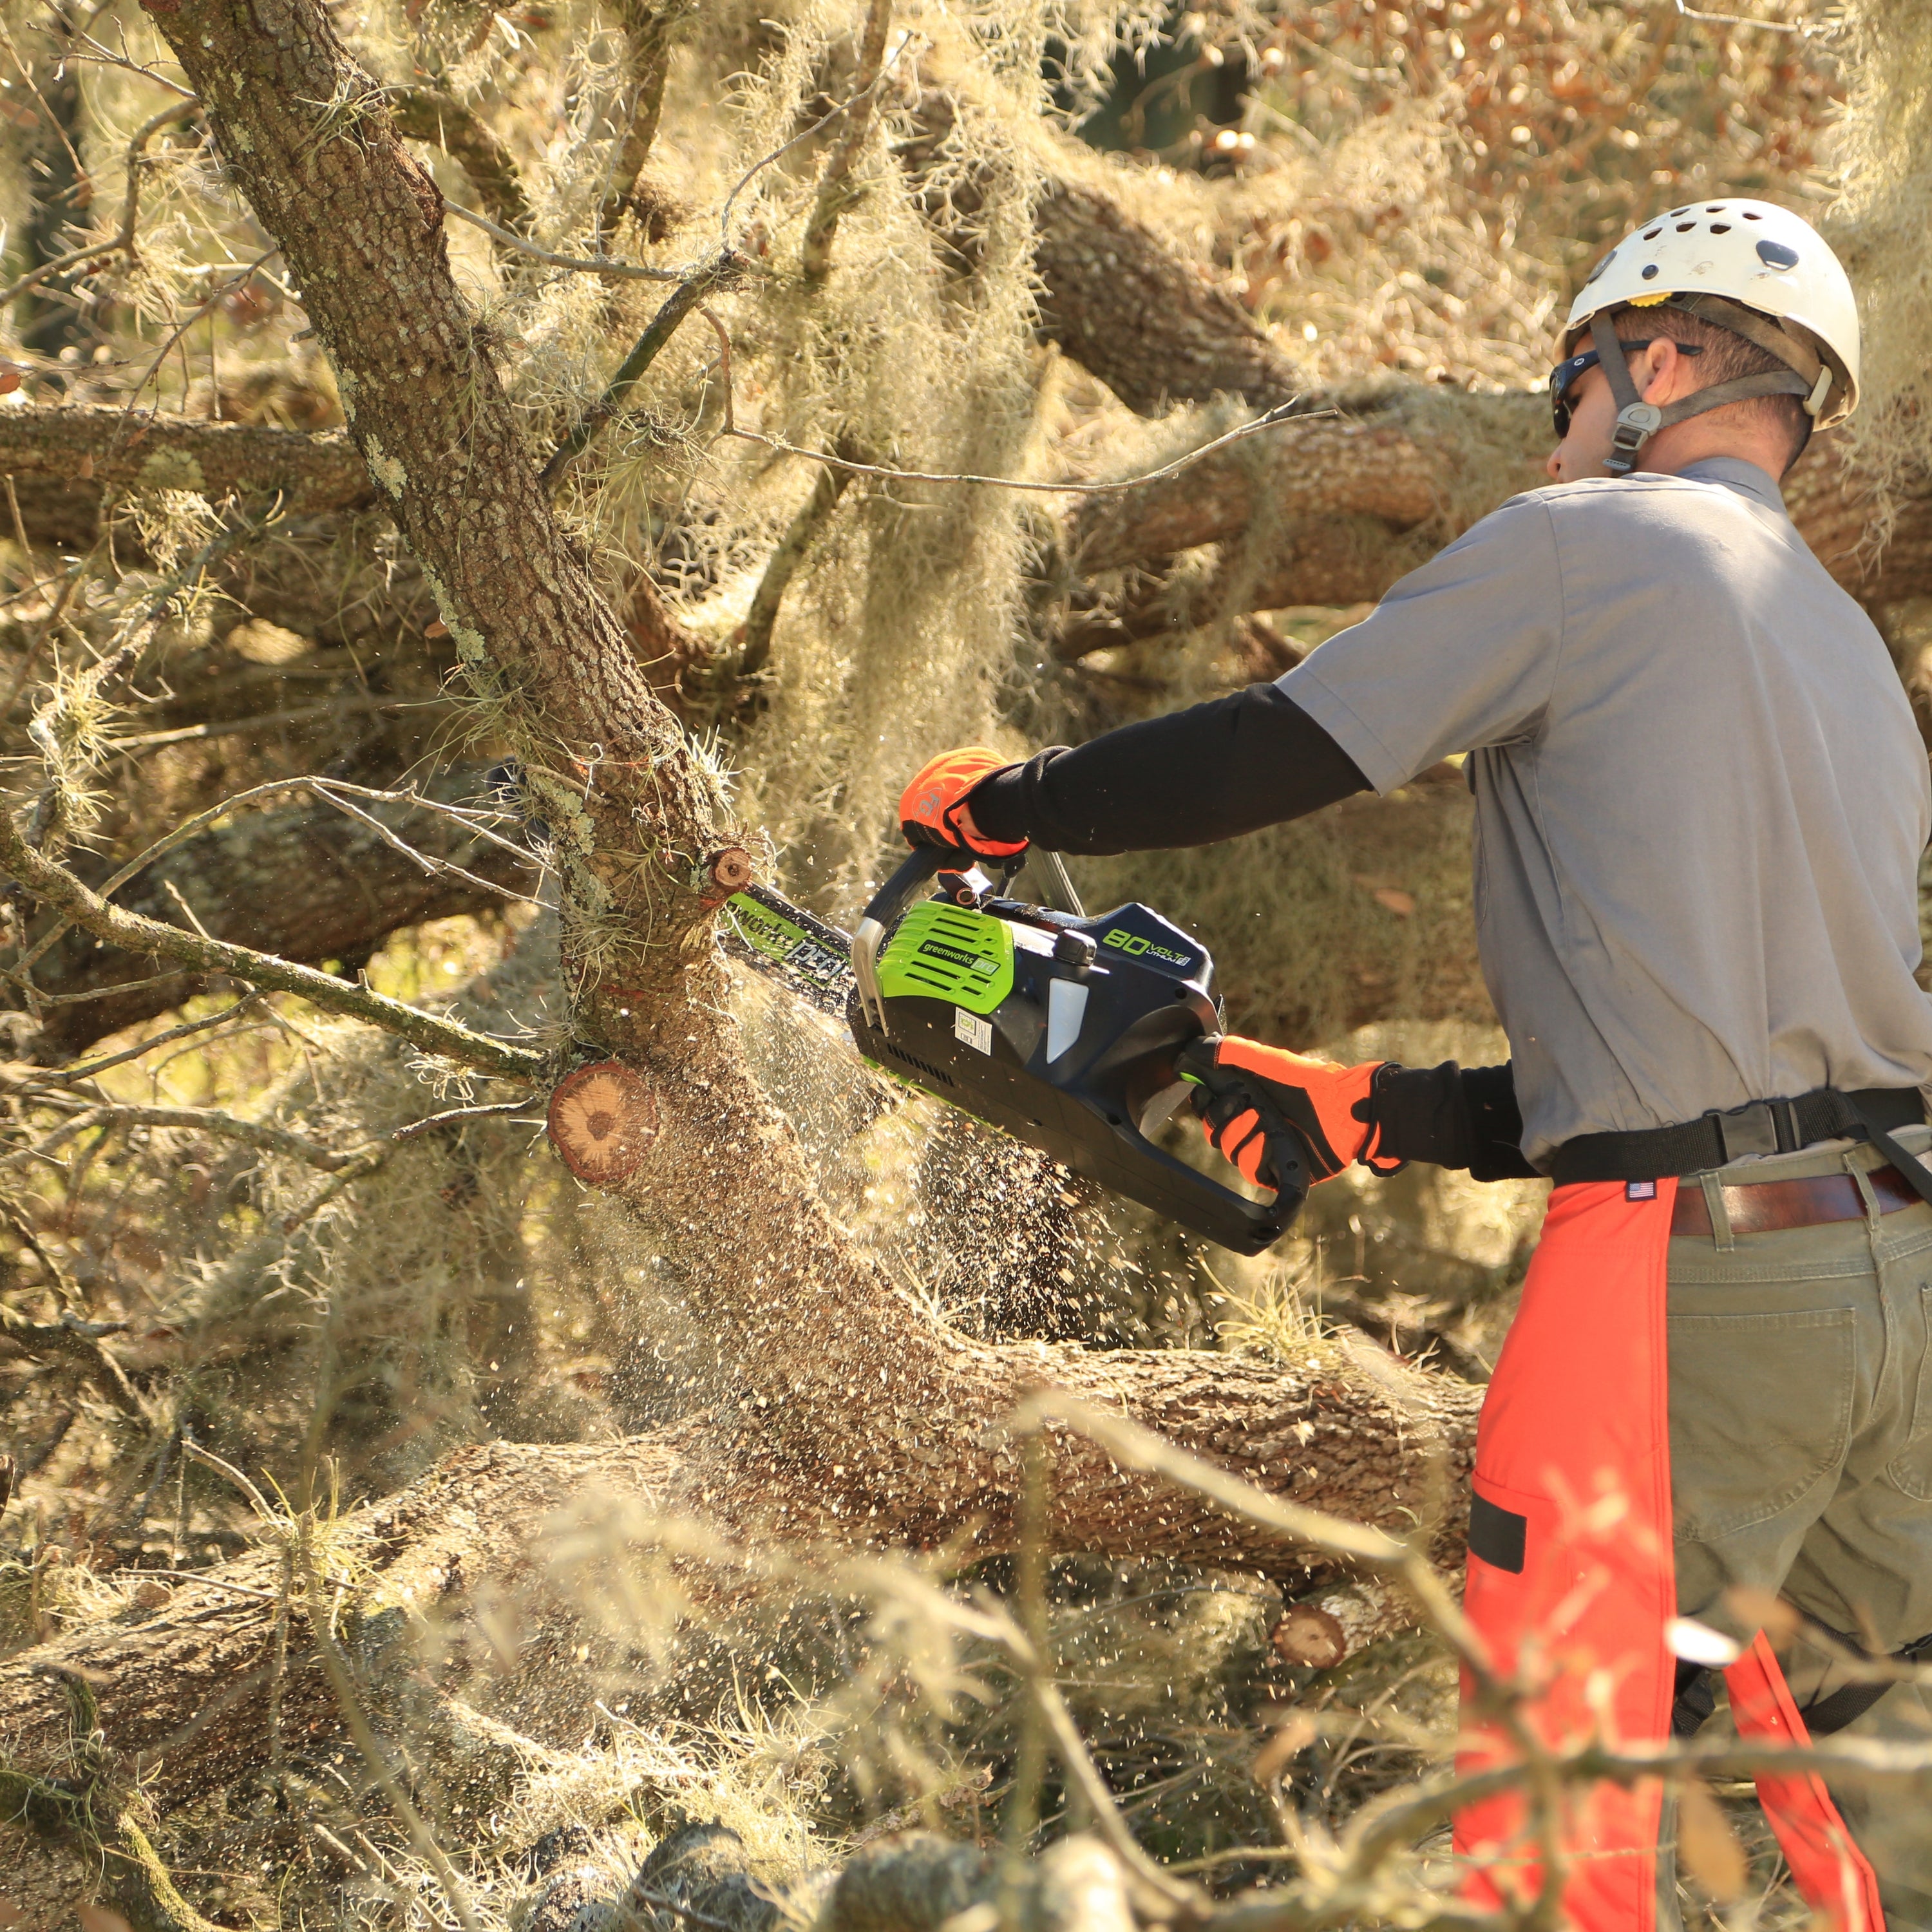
[[1277, 1115], [929, 807]]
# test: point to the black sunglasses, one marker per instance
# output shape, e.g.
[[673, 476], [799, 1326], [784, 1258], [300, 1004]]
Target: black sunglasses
[[1563, 377]]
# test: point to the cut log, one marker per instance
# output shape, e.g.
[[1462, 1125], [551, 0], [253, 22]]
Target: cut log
[[602, 1120], [1326, 1630]]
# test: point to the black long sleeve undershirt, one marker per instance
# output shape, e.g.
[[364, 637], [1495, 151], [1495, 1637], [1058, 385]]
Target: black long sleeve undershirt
[[1452, 1116], [1213, 771]]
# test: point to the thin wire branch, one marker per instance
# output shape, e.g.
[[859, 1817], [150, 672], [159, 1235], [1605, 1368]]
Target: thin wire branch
[[1270, 419], [432, 866], [432, 1121], [122, 242], [79, 1343], [206, 1582], [72, 1076], [301, 714], [1806, 28], [824, 121], [105, 56], [221, 1466], [593, 265]]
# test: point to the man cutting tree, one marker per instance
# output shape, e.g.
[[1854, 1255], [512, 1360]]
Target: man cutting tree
[[1700, 802]]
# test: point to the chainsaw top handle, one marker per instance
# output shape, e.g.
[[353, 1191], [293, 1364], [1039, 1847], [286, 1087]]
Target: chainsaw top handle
[[924, 863]]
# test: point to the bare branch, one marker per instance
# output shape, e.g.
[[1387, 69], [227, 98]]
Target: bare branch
[[592, 265], [833, 193], [79, 1343], [688, 295], [72, 1076], [824, 121], [137, 934], [431, 1122], [204, 1120], [122, 242]]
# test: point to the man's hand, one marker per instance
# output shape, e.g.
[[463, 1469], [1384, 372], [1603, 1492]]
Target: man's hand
[[932, 809], [1277, 1115]]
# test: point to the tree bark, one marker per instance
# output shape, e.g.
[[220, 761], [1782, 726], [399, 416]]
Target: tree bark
[[75, 450], [1156, 329], [307, 882]]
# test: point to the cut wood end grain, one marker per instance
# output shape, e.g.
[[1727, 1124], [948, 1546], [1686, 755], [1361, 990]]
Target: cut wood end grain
[[601, 1119], [1309, 1636]]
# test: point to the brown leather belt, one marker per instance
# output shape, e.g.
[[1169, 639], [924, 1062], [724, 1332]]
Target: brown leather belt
[[1774, 1205]]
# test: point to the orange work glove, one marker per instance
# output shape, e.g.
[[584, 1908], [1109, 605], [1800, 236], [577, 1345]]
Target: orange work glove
[[1277, 1115], [929, 807]]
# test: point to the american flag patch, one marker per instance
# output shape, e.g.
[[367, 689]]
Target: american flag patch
[[1640, 1190]]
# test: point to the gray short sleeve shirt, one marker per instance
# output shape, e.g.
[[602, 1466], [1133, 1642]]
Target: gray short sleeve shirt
[[1701, 797]]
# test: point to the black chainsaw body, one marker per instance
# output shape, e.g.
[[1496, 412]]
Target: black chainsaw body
[[1059, 1031]]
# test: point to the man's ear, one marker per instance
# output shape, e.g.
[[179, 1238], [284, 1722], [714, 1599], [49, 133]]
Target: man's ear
[[1656, 369]]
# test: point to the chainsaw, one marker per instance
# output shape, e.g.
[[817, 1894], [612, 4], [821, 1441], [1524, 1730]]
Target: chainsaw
[[1075, 1036]]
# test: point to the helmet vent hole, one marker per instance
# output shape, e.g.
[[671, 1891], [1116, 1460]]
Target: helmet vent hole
[[1716, 208], [1720, 228], [1750, 216], [1684, 227], [1651, 234]]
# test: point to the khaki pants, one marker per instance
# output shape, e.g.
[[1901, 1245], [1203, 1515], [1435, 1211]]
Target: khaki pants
[[1801, 1445]]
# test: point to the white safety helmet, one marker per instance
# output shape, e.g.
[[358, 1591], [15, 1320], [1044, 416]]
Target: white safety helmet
[[1749, 266]]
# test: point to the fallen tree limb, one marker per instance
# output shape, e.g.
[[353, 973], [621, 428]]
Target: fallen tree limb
[[1333, 508], [1156, 329], [136, 933], [112, 448]]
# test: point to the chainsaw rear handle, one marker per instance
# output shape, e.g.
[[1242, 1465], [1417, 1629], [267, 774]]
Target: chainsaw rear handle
[[926, 863], [1197, 1062]]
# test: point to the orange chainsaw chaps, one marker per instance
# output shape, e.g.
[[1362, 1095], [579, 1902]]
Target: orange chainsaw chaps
[[1831, 1873], [1572, 1581], [1571, 1577]]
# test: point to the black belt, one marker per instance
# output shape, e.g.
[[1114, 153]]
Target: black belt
[[1763, 1127]]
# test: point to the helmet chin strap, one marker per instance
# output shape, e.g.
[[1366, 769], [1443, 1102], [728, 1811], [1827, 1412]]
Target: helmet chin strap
[[1638, 421]]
